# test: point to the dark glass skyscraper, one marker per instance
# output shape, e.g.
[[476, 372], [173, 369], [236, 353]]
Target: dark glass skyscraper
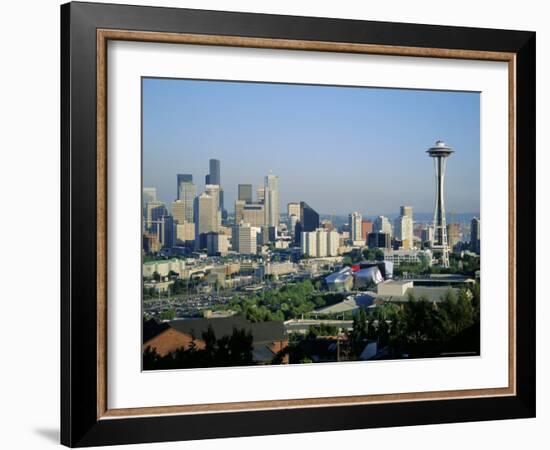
[[309, 221], [309, 218], [214, 177]]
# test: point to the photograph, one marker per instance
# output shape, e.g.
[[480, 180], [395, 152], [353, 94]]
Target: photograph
[[297, 224]]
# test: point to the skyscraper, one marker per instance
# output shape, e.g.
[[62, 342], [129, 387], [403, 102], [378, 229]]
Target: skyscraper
[[244, 239], [271, 200], [382, 225], [379, 240], [149, 195], [187, 192], [366, 228], [406, 211], [355, 226], [245, 192], [182, 178], [206, 218], [214, 172], [260, 194], [475, 235], [453, 234], [440, 152], [178, 211], [403, 227], [153, 212], [254, 214], [293, 209], [239, 206], [167, 231], [308, 221], [309, 218], [214, 191]]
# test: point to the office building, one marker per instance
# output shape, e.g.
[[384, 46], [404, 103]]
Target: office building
[[185, 233], [427, 235], [149, 196], [308, 243], [244, 239], [398, 257], [475, 235], [153, 213], [453, 234], [379, 240], [366, 228], [167, 232], [309, 221], [214, 175], [382, 225], [182, 178], [355, 228], [327, 225], [309, 218], [239, 206], [292, 221], [151, 243], [403, 228], [245, 193], [260, 194], [178, 211], [187, 192], [320, 243], [333, 242], [406, 211], [268, 234], [217, 244], [254, 214], [271, 200], [206, 218], [293, 209]]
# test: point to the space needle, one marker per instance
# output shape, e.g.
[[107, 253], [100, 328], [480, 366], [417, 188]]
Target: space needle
[[440, 152]]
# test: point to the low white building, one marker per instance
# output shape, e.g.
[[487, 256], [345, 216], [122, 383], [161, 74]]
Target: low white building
[[407, 256]]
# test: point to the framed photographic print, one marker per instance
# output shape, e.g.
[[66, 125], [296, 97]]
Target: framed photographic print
[[272, 224]]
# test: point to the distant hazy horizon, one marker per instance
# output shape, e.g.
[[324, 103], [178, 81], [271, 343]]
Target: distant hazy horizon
[[340, 149]]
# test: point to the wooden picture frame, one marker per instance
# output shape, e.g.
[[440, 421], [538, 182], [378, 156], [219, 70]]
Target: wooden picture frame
[[86, 418]]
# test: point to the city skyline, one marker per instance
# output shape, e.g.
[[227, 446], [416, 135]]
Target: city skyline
[[331, 180]]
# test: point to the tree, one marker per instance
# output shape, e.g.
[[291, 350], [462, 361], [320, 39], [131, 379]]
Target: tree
[[358, 335]]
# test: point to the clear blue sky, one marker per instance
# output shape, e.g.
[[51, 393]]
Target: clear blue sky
[[340, 149]]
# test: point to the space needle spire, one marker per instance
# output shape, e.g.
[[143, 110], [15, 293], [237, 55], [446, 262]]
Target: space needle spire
[[440, 152]]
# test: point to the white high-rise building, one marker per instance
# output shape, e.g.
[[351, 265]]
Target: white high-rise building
[[355, 224], [214, 191], [206, 218], [178, 211], [186, 195], [321, 243], [403, 227], [271, 200], [382, 225], [293, 209], [309, 243], [244, 239], [333, 242]]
